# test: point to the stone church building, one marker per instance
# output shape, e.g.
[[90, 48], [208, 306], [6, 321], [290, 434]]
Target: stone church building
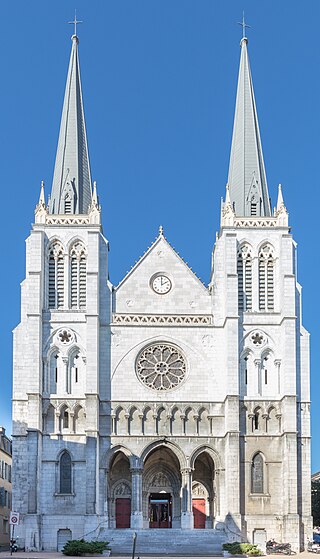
[[161, 403]]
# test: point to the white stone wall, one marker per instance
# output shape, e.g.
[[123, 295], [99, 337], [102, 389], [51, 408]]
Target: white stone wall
[[213, 341]]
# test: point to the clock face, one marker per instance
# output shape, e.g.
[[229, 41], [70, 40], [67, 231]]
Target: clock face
[[161, 284]]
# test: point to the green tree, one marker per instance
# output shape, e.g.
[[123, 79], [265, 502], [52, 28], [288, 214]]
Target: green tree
[[315, 501]]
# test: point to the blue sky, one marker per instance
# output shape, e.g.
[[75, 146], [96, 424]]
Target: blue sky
[[159, 84]]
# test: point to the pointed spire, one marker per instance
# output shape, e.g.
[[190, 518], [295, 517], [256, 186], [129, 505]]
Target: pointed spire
[[247, 176], [281, 211], [71, 187], [227, 211], [280, 202], [41, 208], [95, 195], [42, 200]]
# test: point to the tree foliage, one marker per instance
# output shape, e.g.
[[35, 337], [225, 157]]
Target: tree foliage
[[315, 501]]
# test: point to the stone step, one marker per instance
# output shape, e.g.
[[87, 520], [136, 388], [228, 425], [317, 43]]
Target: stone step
[[165, 542]]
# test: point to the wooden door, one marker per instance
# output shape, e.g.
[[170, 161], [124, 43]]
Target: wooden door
[[160, 513], [123, 511], [63, 537], [199, 513]]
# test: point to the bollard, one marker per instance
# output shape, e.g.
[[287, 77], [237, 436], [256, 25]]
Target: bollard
[[134, 544]]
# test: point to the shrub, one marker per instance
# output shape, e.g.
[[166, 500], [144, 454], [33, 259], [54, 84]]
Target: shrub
[[80, 547], [237, 548]]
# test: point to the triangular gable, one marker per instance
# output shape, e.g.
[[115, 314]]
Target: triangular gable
[[187, 295], [150, 249]]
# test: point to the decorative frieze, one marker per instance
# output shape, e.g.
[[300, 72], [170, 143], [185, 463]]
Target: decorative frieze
[[67, 219], [162, 320]]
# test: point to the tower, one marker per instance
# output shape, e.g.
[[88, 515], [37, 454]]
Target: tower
[[161, 402], [59, 345], [258, 298]]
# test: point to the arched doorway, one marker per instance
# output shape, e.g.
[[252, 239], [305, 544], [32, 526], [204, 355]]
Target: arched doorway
[[120, 491], [63, 536], [161, 489], [203, 491]]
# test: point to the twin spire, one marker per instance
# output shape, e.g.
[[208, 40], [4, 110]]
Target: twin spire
[[72, 188], [247, 177]]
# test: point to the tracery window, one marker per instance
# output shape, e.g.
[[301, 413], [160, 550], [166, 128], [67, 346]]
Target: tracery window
[[244, 269], [78, 276], [65, 473], [56, 277], [257, 474], [161, 366], [266, 278]]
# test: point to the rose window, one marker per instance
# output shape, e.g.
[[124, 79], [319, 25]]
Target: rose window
[[161, 366]]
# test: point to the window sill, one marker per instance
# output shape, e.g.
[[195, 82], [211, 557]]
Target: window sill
[[64, 494], [259, 495], [64, 310]]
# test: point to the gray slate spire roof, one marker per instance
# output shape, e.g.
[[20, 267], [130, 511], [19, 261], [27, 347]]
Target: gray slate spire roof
[[247, 177], [71, 187]]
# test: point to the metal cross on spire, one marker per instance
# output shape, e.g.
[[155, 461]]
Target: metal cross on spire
[[243, 25], [75, 22]]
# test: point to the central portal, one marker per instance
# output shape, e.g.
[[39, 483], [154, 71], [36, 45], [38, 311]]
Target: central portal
[[160, 505]]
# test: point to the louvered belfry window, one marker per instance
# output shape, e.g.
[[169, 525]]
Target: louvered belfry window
[[266, 279], [56, 277], [78, 277], [253, 208], [67, 205], [244, 269]]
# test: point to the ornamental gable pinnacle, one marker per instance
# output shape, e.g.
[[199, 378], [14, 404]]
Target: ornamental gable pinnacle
[[247, 177], [71, 187]]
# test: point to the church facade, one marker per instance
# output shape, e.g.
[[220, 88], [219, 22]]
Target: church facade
[[161, 403]]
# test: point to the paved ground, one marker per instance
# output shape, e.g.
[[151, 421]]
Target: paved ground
[[52, 555]]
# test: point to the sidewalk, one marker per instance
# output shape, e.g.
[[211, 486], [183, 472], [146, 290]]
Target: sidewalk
[[56, 555]]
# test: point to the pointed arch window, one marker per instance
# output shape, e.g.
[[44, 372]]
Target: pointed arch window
[[56, 277], [65, 467], [244, 269], [53, 372], [78, 276], [257, 474], [266, 278]]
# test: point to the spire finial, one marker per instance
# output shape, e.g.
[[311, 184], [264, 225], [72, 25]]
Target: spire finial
[[243, 25], [161, 230], [75, 23], [41, 197], [94, 195], [280, 202]]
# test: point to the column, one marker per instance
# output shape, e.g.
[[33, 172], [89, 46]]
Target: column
[[66, 375], [105, 486], [186, 498], [257, 363], [277, 363], [57, 421], [46, 380], [71, 422], [136, 498]]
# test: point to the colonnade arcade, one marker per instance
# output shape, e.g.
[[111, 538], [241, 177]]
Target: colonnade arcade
[[160, 489]]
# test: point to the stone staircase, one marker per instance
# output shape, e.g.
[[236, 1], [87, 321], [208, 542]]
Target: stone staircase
[[164, 542]]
